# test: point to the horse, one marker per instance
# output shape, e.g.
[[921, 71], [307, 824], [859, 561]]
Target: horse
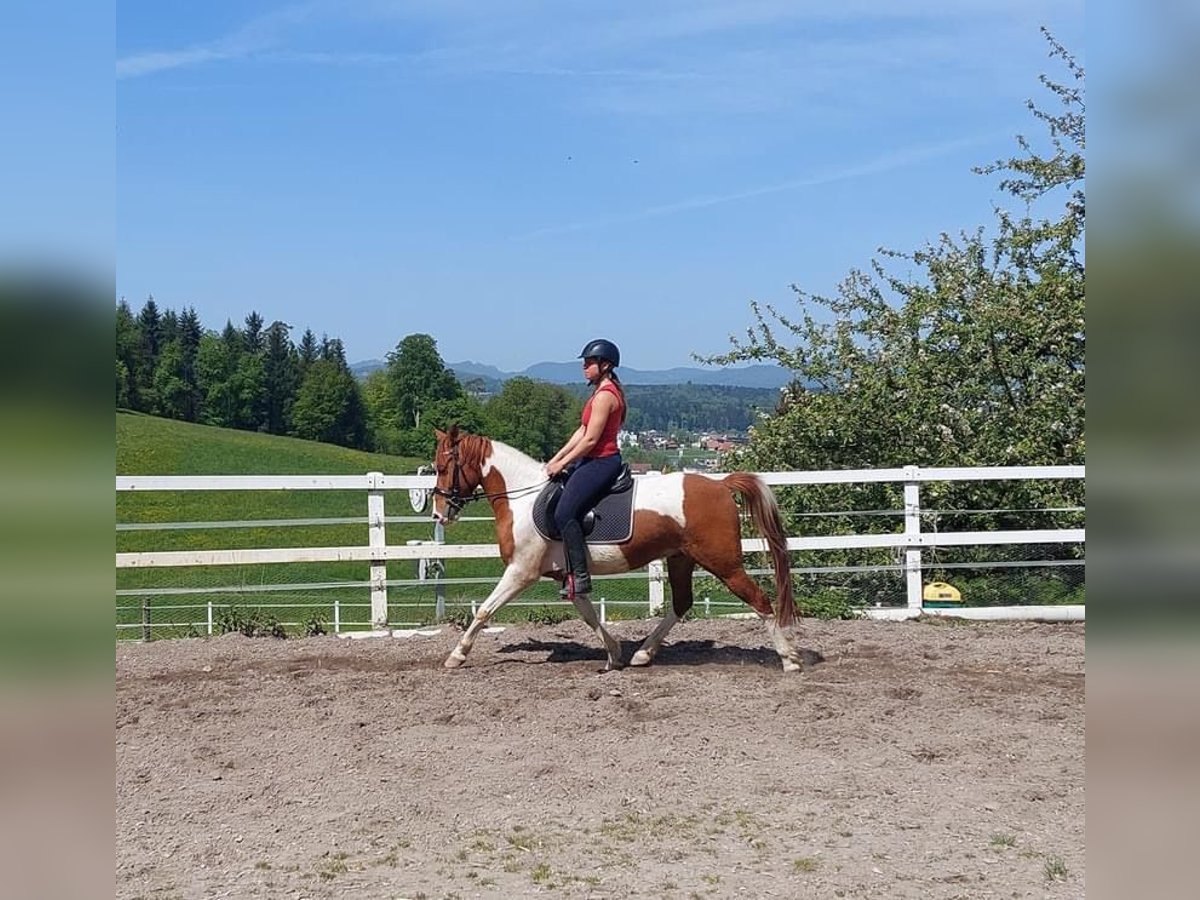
[[690, 519]]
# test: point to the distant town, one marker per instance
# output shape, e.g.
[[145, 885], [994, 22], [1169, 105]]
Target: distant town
[[657, 451]]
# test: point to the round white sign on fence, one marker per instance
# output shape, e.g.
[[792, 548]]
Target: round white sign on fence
[[419, 497]]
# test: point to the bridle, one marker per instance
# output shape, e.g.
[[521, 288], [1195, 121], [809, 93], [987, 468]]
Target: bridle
[[456, 499]]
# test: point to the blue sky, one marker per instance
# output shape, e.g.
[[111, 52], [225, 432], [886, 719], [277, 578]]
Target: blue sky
[[515, 177], [56, 104]]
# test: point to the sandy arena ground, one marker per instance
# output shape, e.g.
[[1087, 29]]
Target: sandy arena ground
[[921, 759]]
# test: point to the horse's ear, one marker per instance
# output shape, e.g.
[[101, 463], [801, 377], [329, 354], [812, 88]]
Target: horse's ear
[[439, 434]]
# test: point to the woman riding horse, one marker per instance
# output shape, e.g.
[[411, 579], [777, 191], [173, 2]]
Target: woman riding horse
[[684, 518], [591, 458]]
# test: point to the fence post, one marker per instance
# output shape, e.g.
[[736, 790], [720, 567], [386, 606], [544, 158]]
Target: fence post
[[210, 618], [146, 618], [912, 526], [656, 572], [377, 538], [439, 573], [429, 568]]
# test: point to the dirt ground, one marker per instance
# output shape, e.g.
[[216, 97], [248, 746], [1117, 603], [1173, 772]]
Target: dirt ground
[[919, 759]]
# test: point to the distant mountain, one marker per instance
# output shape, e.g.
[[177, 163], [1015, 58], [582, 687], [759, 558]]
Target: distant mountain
[[366, 367], [757, 376], [471, 369], [745, 376]]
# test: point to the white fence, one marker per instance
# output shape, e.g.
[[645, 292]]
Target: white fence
[[912, 541]]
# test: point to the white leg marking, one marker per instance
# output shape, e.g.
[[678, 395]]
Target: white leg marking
[[512, 582], [788, 654], [651, 645], [587, 612]]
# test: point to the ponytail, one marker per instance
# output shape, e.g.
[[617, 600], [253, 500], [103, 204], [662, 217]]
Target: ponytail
[[612, 376]]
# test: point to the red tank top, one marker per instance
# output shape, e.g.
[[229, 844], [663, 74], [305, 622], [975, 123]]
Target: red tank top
[[607, 445]]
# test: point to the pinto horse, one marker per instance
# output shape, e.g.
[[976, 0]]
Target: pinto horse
[[691, 520]]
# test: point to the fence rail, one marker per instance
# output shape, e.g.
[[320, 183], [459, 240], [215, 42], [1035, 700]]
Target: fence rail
[[912, 541]]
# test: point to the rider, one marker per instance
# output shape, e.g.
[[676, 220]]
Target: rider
[[591, 458]]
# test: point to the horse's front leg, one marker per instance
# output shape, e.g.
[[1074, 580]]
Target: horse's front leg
[[514, 580], [587, 612]]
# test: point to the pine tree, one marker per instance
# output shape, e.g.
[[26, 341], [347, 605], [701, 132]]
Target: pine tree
[[150, 338], [128, 357], [253, 332], [307, 350], [190, 332], [280, 377]]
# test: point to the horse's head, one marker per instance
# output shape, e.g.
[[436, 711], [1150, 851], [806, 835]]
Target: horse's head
[[459, 470]]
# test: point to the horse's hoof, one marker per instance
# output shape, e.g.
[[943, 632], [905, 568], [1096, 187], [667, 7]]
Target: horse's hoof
[[792, 666], [641, 658], [453, 662]]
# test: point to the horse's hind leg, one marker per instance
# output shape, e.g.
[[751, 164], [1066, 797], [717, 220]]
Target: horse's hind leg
[[512, 582], [743, 585], [587, 612], [679, 570]]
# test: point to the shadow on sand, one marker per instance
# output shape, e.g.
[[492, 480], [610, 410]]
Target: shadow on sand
[[680, 653]]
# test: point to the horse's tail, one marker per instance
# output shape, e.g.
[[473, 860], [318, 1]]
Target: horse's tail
[[764, 512]]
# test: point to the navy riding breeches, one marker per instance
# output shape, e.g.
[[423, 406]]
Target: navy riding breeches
[[590, 479]]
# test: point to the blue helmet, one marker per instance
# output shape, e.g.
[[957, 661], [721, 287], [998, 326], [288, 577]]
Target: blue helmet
[[601, 349]]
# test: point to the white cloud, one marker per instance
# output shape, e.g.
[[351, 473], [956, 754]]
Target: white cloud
[[149, 63], [260, 33], [552, 39]]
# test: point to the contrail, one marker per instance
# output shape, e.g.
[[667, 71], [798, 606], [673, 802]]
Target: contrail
[[885, 163]]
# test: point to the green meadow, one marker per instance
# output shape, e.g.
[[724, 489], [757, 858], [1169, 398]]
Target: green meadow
[[297, 597]]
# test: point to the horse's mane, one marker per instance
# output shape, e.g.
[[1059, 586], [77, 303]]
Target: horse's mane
[[473, 449]]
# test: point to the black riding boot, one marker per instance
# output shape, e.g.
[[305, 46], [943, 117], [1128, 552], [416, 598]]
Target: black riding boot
[[578, 580]]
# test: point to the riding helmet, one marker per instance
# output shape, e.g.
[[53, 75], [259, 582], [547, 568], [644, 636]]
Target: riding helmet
[[602, 349]]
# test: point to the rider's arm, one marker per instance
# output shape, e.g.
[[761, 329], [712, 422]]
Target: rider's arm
[[570, 445], [587, 437]]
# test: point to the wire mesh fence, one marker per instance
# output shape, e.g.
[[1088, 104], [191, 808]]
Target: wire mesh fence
[[201, 601]]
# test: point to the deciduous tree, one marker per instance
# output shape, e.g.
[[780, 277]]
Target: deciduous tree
[[533, 416], [967, 352], [419, 378]]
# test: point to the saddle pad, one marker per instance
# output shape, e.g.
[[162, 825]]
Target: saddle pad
[[610, 522]]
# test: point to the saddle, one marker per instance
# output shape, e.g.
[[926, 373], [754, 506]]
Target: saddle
[[610, 521]]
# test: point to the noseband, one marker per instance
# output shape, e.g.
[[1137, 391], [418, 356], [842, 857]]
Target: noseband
[[455, 498]]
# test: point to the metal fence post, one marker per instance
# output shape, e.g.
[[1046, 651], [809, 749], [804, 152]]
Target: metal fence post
[[376, 538], [912, 526], [146, 618]]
